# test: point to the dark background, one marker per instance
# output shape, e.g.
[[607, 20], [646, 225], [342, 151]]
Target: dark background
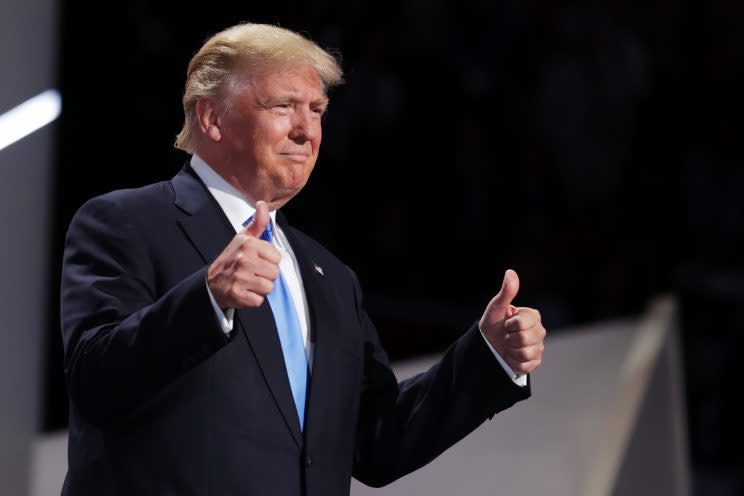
[[595, 147]]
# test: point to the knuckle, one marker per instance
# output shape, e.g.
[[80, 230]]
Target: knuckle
[[240, 260], [242, 239], [522, 368], [276, 256], [518, 356], [518, 339], [247, 244], [253, 300], [240, 280]]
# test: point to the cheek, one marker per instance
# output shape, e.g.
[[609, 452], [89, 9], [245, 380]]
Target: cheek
[[276, 130], [266, 133], [243, 135], [265, 143]]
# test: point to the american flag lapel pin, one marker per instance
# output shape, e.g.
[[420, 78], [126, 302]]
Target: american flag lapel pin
[[318, 269]]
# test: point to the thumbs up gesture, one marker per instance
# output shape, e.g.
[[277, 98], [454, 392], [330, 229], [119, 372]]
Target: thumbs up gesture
[[516, 333], [244, 273]]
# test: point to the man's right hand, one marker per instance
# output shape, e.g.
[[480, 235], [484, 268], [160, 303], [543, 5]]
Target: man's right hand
[[244, 273]]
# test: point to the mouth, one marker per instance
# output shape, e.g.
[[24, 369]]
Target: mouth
[[295, 156]]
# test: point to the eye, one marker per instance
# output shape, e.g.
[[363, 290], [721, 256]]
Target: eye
[[281, 108]]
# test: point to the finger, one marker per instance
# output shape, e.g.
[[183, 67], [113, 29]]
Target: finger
[[260, 220], [249, 292], [528, 337], [511, 311], [509, 288], [526, 354], [253, 266], [266, 269], [248, 252], [268, 252], [259, 285], [238, 297], [527, 367], [248, 299], [524, 318]]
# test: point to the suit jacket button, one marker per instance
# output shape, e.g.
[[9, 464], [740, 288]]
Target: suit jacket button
[[308, 460]]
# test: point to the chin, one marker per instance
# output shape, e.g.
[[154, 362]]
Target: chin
[[298, 179], [286, 190]]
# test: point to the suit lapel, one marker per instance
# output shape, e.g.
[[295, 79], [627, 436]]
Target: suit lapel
[[260, 328], [324, 326], [210, 231], [206, 226]]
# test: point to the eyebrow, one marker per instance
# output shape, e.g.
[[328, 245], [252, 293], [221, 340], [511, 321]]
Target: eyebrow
[[290, 98]]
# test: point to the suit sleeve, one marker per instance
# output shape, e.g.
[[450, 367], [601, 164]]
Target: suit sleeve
[[403, 426], [122, 341]]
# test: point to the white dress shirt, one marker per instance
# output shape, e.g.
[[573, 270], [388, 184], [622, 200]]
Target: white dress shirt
[[238, 210]]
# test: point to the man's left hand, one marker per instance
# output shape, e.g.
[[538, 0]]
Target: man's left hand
[[516, 333]]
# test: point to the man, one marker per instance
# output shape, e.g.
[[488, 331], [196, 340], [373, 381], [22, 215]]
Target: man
[[211, 348]]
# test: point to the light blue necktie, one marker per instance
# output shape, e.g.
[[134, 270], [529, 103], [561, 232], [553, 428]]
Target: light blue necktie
[[290, 335]]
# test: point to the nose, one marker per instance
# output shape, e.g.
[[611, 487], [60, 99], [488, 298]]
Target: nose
[[305, 125]]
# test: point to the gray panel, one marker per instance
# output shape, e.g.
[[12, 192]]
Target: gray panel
[[28, 50], [656, 460], [27, 56]]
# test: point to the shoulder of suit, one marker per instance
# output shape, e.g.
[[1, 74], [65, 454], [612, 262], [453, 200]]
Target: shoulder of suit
[[146, 202], [141, 197]]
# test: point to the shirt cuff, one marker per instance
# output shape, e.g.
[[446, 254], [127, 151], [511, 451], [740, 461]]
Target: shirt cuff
[[225, 319], [518, 380]]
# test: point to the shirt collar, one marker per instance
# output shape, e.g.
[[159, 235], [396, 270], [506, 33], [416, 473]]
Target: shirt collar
[[237, 208]]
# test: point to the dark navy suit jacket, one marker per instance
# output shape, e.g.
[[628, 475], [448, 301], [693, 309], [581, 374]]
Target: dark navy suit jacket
[[163, 403]]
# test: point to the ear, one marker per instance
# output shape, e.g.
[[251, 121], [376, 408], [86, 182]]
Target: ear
[[208, 117]]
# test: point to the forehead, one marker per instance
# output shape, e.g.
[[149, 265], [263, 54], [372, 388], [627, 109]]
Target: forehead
[[300, 82]]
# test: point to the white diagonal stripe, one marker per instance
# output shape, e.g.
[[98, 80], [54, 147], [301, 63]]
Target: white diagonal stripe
[[29, 116]]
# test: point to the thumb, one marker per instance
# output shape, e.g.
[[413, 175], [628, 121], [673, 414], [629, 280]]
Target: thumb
[[509, 288], [260, 220]]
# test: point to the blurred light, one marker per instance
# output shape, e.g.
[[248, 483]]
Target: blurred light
[[29, 116]]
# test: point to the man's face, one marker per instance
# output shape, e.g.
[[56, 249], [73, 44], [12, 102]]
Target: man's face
[[271, 134]]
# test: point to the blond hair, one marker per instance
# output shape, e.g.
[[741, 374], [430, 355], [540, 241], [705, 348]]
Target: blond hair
[[250, 49]]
